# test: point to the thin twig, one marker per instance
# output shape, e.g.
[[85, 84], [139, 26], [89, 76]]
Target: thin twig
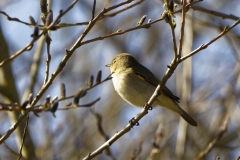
[[26, 48], [16, 107], [223, 129], [30, 45], [215, 13], [15, 19], [137, 152], [64, 25], [24, 136], [84, 23], [47, 60], [11, 129], [93, 10], [148, 25], [95, 85], [11, 150], [62, 63], [235, 51], [118, 5], [121, 10], [204, 46], [174, 41], [34, 69], [180, 42], [21, 117], [156, 150], [101, 131], [81, 105]]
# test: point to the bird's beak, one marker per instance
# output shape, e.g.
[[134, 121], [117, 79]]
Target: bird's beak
[[108, 65]]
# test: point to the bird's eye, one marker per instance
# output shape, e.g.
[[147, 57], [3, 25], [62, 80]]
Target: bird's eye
[[114, 62]]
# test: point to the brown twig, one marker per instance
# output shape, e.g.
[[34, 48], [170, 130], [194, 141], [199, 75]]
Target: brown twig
[[180, 41], [121, 10], [223, 129], [156, 150], [117, 135], [24, 136], [64, 25], [82, 105], [15, 19], [48, 59], [26, 48], [235, 51], [215, 13], [62, 63], [204, 46], [174, 41], [93, 10], [30, 45], [85, 23], [21, 117], [101, 131], [137, 152], [11, 150], [121, 32], [16, 107]]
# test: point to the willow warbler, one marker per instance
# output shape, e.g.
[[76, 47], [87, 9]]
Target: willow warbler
[[136, 84]]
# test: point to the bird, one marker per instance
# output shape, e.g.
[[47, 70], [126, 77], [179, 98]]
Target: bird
[[136, 84]]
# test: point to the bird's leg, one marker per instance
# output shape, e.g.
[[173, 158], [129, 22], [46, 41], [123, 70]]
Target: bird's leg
[[133, 122]]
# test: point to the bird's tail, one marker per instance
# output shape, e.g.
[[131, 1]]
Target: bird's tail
[[185, 116], [169, 103]]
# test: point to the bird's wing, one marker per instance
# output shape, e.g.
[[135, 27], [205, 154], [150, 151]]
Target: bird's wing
[[148, 76]]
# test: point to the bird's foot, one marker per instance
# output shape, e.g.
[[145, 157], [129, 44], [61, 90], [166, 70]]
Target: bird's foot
[[133, 122], [147, 106]]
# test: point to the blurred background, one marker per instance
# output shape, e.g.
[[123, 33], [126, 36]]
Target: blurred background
[[207, 83]]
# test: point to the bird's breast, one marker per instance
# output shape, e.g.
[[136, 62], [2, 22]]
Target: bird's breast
[[132, 88]]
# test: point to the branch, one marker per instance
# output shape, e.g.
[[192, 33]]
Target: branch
[[11, 150], [215, 13], [180, 42], [48, 59], [204, 46], [15, 19], [102, 132], [148, 25], [174, 41], [30, 45], [223, 129], [121, 10], [21, 117], [13, 127], [37, 108], [24, 136]]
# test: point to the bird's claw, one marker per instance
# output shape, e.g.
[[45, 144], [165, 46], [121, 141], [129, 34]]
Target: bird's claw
[[147, 106], [133, 122]]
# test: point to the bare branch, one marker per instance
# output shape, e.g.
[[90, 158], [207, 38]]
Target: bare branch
[[101, 131], [15, 19], [180, 41], [93, 10], [204, 46], [223, 129], [24, 136], [215, 13], [30, 45], [11, 150]]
